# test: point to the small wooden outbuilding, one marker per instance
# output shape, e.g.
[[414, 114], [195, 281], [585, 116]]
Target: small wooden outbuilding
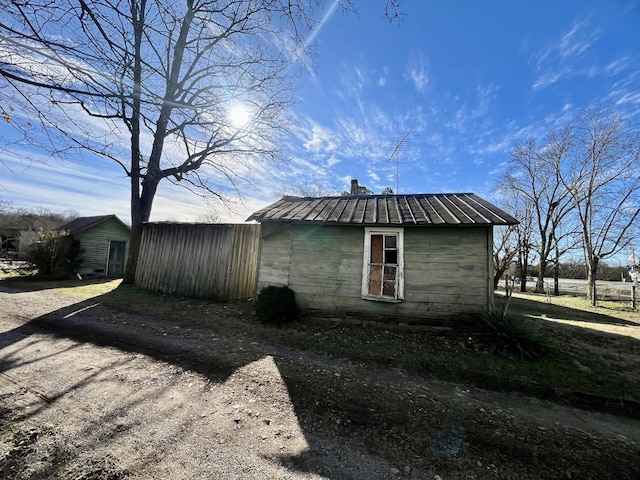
[[420, 258], [104, 241]]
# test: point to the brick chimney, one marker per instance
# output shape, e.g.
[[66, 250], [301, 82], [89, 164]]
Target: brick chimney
[[354, 186]]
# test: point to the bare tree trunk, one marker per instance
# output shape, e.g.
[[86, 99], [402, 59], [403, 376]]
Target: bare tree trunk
[[556, 274], [524, 266], [540, 280], [591, 273], [140, 213], [134, 250]]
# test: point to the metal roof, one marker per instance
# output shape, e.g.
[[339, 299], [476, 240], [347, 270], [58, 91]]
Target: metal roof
[[414, 209], [80, 224]]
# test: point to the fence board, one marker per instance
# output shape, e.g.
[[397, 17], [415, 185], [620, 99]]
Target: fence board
[[218, 261]]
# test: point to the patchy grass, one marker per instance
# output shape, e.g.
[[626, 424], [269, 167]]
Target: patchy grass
[[77, 288], [535, 304], [597, 364], [15, 274]]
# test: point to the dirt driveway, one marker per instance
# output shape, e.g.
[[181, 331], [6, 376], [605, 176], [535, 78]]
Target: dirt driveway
[[87, 392]]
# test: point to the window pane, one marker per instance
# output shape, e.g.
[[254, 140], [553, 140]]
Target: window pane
[[376, 249], [390, 241], [389, 273], [391, 256], [375, 280], [389, 289]]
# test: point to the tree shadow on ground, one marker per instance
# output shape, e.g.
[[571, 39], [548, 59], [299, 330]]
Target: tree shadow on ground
[[166, 340], [330, 404], [536, 308], [35, 284]]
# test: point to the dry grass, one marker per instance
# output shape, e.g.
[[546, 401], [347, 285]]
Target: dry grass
[[599, 351], [614, 317]]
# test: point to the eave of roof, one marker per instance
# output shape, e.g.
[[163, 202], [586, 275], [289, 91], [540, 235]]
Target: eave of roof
[[81, 224], [413, 209]]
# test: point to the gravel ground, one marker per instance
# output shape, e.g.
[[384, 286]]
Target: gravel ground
[[88, 392]]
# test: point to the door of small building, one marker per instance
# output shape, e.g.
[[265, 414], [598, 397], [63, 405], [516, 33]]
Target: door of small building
[[115, 265]]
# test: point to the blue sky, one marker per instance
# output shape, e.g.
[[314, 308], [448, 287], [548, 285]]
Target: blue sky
[[463, 80]]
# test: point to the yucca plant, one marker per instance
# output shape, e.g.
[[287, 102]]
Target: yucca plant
[[510, 335]]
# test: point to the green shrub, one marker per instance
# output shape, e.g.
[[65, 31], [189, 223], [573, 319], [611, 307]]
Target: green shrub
[[56, 255], [276, 305], [510, 336]]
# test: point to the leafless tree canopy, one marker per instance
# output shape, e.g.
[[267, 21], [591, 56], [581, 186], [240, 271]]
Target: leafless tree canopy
[[603, 179], [582, 183], [535, 178], [515, 242], [192, 91]]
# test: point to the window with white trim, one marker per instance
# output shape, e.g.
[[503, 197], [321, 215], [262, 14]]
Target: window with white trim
[[383, 264]]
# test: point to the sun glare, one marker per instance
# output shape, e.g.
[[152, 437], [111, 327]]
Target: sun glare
[[239, 115]]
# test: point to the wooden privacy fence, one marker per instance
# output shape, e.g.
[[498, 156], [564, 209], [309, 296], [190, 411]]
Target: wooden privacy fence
[[217, 261]]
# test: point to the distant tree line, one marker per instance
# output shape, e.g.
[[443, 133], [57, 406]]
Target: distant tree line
[[577, 270], [15, 222], [575, 192]]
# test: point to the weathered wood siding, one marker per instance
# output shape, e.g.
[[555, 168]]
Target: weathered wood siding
[[447, 270], [275, 255], [95, 245], [199, 260]]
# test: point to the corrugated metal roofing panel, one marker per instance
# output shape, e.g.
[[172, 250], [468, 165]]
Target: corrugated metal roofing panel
[[415, 209], [337, 212], [420, 216], [444, 211], [455, 210], [462, 203]]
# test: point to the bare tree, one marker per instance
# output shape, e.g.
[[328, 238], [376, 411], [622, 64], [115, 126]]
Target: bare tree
[[535, 178], [505, 247], [197, 89], [516, 241], [524, 209], [306, 188], [603, 179], [209, 217]]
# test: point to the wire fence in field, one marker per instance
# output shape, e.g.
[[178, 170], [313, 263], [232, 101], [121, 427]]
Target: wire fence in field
[[611, 291]]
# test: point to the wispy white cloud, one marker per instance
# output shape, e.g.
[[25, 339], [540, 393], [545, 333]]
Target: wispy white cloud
[[383, 75], [332, 161], [633, 98], [617, 66], [96, 186], [321, 139], [416, 73], [577, 40], [560, 59], [352, 81], [373, 176], [625, 93], [473, 114]]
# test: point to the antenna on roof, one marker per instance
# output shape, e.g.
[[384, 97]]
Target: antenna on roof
[[396, 153]]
